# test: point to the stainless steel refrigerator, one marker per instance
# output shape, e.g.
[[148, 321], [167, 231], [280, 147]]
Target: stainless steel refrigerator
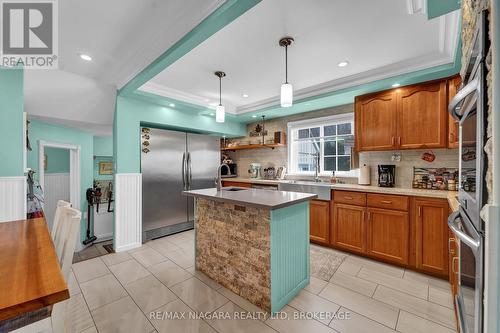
[[171, 162]]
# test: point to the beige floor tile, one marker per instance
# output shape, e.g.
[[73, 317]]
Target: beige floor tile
[[350, 268], [376, 265], [77, 315], [169, 273], [163, 246], [315, 285], [236, 323], [73, 286], [148, 257], [129, 271], [240, 301], [415, 288], [121, 316], [293, 323], [357, 284], [186, 324], [430, 280], [441, 296], [420, 307], [115, 258], [198, 295], [323, 309], [89, 269], [204, 278], [140, 248], [149, 293], [410, 323], [90, 330], [182, 257], [366, 306], [351, 322], [102, 290]]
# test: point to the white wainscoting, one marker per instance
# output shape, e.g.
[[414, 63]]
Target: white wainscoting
[[128, 211], [57, 188], [12, 198]]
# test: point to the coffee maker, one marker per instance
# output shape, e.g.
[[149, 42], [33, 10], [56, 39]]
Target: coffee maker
[[386, 175]]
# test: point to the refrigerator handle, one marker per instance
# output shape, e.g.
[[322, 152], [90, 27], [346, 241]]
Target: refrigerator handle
[[184, 171], [189, 174]]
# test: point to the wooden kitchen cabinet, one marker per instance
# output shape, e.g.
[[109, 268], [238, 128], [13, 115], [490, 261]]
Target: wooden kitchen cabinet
[[319, 221], [411, 117], [376, 121], [349, 227], [388, 235], [453, 87], [453, 262], [423, 116], [227, 183], [431, 235]]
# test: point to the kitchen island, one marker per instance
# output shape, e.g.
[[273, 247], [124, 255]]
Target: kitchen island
[[254, 242]]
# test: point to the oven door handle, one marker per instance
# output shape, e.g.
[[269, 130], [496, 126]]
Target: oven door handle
[[452, 223], [461, 95]]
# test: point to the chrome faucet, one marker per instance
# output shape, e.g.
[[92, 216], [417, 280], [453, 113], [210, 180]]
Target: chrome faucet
[[218, 180], [317, 164]]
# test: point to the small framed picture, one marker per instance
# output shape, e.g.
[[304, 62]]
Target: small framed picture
[[105, 168]]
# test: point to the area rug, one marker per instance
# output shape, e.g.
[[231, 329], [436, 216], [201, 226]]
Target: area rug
[[324, 262]]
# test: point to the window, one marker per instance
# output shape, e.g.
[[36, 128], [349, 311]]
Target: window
[[332, 137]]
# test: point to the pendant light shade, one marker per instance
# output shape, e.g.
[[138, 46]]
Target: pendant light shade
[[286, 88], [220, 114], [286, 95], [220, 110]]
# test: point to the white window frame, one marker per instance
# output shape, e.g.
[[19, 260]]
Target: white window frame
[[317, 122]]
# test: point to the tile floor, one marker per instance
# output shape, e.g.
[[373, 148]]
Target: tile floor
[[134, 292]]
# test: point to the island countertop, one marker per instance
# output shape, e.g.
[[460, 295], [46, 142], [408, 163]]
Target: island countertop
[[252, 197]]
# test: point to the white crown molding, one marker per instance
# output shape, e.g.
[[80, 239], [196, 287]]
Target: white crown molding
[[448, 40]]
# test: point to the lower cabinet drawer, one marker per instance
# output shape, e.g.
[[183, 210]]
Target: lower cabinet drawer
[[349, 197], [388, 201]]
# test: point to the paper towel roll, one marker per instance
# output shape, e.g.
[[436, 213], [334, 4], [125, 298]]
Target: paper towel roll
[[364, 175]]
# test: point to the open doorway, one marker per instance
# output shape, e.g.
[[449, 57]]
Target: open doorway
[[59, 177]]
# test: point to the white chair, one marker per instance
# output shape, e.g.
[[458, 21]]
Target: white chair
[[66, 241], [57, 219]]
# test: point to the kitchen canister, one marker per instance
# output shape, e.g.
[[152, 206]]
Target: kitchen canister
[[364, 175]]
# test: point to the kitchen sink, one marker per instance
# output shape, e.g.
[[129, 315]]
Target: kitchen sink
[[234, 189], [322, 189]]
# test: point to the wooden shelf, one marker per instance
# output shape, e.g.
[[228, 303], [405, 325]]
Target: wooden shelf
[[254, 146]]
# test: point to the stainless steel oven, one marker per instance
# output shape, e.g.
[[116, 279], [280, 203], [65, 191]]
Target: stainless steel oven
[[469, 107], [469, 298]]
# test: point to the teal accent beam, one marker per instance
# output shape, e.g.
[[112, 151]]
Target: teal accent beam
[[436, 8], [290, 262], [221, 17]]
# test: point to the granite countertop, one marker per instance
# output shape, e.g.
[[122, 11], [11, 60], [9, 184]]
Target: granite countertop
[[253, 197], [450, 195]]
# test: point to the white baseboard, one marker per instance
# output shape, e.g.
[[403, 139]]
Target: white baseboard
[[128, 211]]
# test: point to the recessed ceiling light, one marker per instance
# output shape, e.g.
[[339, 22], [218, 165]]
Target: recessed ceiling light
[[244, 95], [254, 116], [213, 104], [172, 105], [395, 85], [343, 63], [86, 57]]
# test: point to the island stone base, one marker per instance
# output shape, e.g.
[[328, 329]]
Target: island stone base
[[233, 248], [260, 254]]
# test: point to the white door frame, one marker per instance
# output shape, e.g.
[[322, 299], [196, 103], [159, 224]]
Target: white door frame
[[74, 174]]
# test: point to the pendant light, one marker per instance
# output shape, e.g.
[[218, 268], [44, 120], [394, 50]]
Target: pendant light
[[220, 112], [286, 88]]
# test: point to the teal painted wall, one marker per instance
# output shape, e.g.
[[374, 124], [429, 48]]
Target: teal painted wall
[[436, 8], [59, 134], [11, 122], [103, 146], [57, 160], [97, 160], [131, 112]]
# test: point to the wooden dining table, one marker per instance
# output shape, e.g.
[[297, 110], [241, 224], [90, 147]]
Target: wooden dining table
[[31, 280]]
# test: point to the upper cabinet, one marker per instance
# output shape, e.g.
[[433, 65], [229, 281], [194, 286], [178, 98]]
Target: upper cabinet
[[376, 120], [412, 117], [453, 87]]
